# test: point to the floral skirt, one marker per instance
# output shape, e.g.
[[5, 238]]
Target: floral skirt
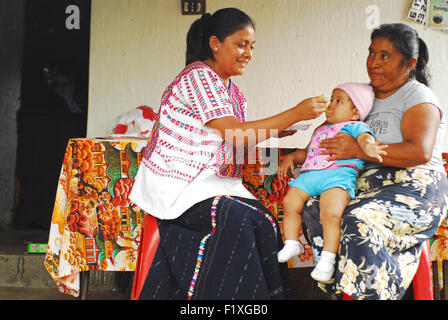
[[382, 229], [221, 248]]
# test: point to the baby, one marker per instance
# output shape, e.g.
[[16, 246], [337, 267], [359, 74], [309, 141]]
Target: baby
[[334, 181]]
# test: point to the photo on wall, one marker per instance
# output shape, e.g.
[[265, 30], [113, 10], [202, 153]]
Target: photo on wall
[[431, 13]]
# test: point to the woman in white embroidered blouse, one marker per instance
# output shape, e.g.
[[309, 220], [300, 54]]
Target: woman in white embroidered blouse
[[216, 240]]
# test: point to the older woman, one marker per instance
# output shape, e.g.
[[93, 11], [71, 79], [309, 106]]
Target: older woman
[[401, 202], [216, 240]]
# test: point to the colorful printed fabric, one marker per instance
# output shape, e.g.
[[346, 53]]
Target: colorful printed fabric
[[91, 231], [439, 243], [265, 185], [221, 248], [94, 224], [439, 251], [394, 212]]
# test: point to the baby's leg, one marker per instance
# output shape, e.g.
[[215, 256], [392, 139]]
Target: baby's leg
[[332, 204], [293, 203]]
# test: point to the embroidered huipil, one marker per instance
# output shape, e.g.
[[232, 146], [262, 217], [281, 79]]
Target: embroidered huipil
[[185, 161]]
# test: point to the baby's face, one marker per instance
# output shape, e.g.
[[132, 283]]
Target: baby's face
[[341, 108]]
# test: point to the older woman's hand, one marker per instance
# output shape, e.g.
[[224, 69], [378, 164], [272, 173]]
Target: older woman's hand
[[342, 146]]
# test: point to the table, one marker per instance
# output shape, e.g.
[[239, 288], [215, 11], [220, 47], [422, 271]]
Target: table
[[96, 227], [439, 249]]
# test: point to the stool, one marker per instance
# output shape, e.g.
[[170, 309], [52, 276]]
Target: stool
[[422, 282]]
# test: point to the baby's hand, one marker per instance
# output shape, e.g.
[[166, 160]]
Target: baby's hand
[[286, 164], [374, 149]]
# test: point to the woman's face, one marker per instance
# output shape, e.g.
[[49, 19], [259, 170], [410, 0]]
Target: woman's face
[[384, 66], [234, 53]]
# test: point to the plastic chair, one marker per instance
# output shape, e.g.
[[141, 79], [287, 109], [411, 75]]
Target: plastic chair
[[422, 282], [149, 242]]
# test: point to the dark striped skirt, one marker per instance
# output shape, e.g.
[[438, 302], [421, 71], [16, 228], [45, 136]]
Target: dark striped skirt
[[382, 230], [221, 248]]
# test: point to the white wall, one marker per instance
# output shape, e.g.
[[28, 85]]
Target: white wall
[[304, 48]]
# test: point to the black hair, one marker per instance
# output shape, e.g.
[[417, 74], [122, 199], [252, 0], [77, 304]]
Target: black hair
[[221, 24], [407, 41]]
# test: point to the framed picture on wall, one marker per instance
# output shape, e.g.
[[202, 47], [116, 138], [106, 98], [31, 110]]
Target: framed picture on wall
[[431, 13]]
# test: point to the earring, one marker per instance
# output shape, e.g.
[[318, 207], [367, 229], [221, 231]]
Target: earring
[[216, 49]]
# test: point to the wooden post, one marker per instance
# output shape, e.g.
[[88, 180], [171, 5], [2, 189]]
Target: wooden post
[[445, 278], [84, 284], [435, 281]]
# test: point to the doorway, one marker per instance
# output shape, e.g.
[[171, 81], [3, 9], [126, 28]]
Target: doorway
[[54, 98]]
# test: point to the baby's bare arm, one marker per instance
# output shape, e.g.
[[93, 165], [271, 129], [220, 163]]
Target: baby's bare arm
[[371, 147], [290, 161]]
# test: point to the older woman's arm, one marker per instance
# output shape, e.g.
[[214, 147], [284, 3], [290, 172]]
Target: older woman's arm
[[419, 129]]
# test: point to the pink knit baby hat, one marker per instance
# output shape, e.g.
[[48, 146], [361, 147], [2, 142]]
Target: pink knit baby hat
[[362, 96]]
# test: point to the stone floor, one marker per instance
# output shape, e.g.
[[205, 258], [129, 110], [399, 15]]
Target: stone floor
[[24, 277], [13, 245], [21, 293]]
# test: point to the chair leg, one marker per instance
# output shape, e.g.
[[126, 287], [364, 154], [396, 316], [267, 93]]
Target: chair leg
[[444, 278], [435, 280], [84, 284], [422, 282], [149, 242], [347, 297]]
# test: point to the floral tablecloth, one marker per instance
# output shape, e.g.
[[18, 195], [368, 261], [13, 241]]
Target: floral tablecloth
[[96, 227]]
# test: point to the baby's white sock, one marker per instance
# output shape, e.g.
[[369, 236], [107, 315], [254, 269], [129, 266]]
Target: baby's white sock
[[291, 249], [328, 256], [325, 267]]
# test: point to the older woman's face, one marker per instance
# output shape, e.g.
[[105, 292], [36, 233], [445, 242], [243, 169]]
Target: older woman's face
[[384, 66], [234, 53]]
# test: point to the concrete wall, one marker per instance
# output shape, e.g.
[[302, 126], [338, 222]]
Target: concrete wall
[[304, 48], [11, 37]]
